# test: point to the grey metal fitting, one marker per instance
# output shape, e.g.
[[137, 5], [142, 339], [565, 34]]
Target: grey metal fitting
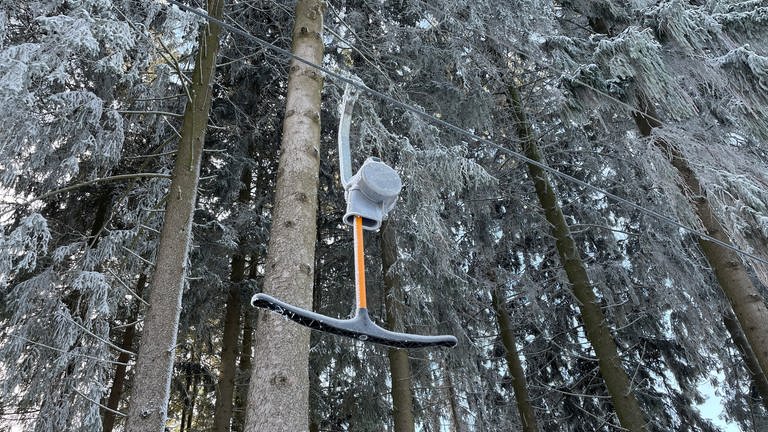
[[371, 193]]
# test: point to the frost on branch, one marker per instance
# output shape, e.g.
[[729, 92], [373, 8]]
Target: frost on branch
[[633, 60], [59, 355], [50, 117], [742, 200], [72, 33], [747, 73], [20, 249], [691, 28]]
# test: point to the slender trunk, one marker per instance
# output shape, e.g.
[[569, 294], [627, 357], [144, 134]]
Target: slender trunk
[[118, 382], [244, 372], [519, 384], [402, 399], [193, 399], [228, 367], [597, 330], [246, 356], [758, 380], [148, 407], [399, 365], [458, 425], [278, 396], [223, 416], [187, 398], [436, 410], [748, 304], [183, 426]]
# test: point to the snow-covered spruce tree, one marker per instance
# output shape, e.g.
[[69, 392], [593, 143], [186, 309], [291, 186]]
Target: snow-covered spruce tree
[[489, 265], [712, 184], [607, 274], [68, 70], [151, 384], [688, 297], [571, 360], [595, 326], [573, 366], [463, 75]]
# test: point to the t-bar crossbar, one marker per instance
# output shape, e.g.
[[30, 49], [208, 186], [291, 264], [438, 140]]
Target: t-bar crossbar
[[359, 327]]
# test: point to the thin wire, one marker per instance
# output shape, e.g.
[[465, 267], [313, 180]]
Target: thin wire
[[362, 87]]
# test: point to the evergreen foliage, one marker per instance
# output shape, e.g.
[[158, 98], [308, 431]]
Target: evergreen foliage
[[91, 98]]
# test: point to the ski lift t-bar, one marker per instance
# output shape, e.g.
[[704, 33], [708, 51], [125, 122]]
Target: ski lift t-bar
[[371, 193]]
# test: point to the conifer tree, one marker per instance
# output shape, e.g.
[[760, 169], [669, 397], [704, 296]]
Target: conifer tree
[[151, 385], [69, 72], [747, 302], [595, 326]]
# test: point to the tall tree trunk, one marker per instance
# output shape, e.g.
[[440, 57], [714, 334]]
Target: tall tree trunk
[[453, 400], [154, 367], [524, 407], [246, 357], [436, 403], [745, 299], [118, 382], [753, 368], [187, 401], [222, 417], [229, 343], [597, 330], [244, 371], [399, 365], [278, 396], [193, 398], [402, 398]]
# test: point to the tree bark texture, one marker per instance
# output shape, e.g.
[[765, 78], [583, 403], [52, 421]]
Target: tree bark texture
[[748, 304], [118, 382], [399, 365], [597, 330], [278, 396], [154, 367], [519, 384]]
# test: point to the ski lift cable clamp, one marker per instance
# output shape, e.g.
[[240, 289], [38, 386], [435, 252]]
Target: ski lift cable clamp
[[370, 194]]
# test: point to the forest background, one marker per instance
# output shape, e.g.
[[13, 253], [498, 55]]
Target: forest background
[[585, 206]]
